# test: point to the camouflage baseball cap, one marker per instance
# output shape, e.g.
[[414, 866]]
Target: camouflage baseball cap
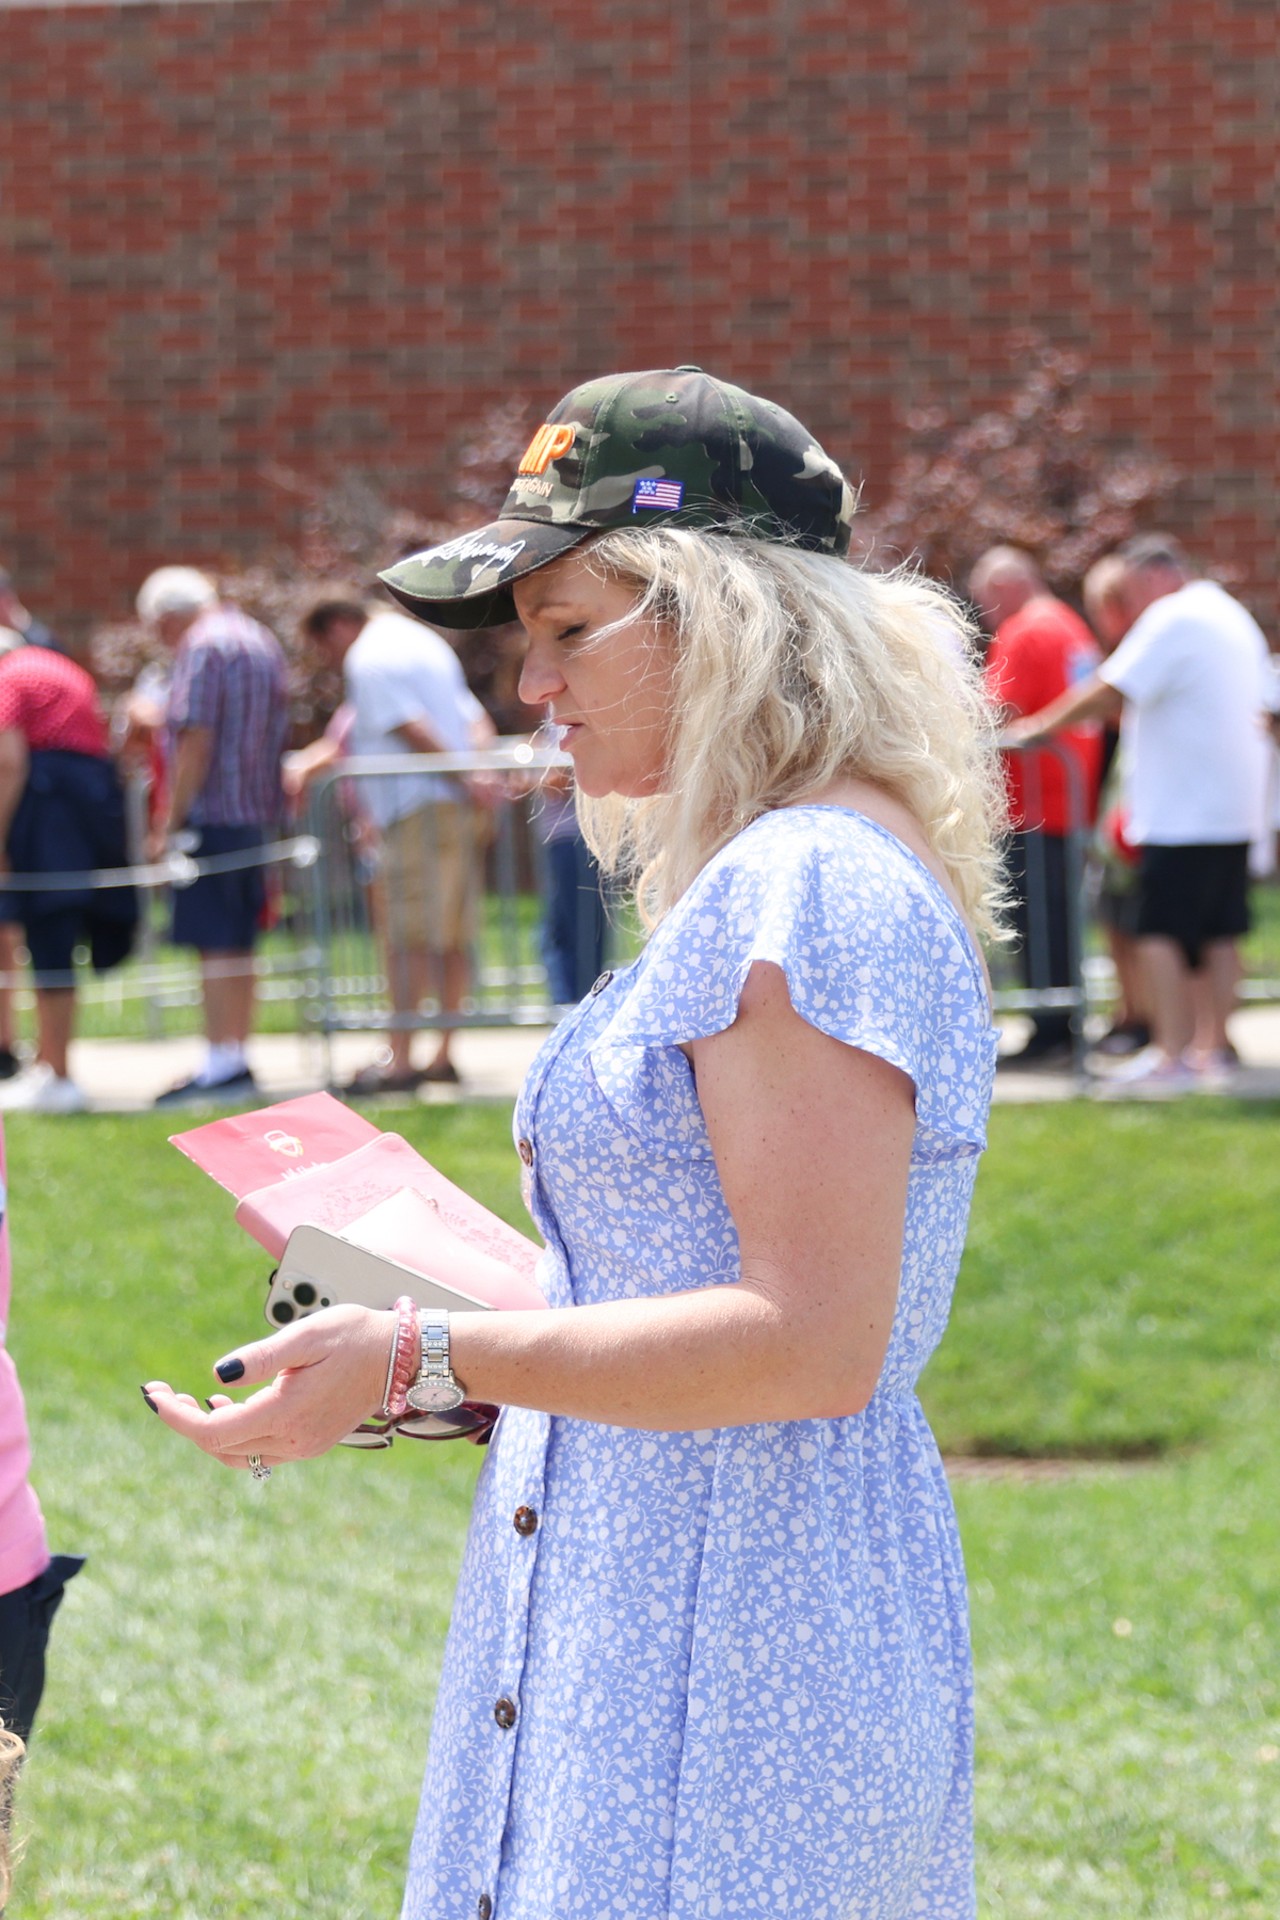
[[665, 448]]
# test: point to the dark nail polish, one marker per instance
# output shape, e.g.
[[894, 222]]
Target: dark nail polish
[[150, 1402], [229, 1370], [211, 1406]]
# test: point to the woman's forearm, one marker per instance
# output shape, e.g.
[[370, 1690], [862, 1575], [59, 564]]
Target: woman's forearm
[[720, 1356], [812, 1142]]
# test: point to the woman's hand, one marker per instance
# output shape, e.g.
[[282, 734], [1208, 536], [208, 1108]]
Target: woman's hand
[[327, 1374]]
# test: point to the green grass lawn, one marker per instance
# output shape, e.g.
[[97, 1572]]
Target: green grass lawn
[[241, 1678]]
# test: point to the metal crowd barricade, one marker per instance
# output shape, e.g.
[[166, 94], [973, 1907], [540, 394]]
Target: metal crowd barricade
[[157, 980], [356, 924], [321, 970], [1045, 970], [1092, 982], [1260, 949]]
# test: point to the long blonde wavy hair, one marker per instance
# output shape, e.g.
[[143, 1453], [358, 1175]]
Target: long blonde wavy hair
[[794, 669], [11, 1752]]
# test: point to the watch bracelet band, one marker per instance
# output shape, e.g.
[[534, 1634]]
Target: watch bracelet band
[[435, 1346]]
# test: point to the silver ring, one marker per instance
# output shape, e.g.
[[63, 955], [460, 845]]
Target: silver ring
[[256, 1467]]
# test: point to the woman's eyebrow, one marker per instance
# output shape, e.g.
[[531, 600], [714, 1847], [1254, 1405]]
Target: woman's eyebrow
[[553, 605]]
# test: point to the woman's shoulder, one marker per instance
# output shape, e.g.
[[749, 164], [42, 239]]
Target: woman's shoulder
[[873, 952], [829, 879], [826, 842]]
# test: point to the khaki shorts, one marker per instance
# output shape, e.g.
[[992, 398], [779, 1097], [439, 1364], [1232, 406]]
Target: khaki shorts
[[431, 878]]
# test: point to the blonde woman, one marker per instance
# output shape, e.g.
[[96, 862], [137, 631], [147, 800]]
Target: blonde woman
[[709, 1654]]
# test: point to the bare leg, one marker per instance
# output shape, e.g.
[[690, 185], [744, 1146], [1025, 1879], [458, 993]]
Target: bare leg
[[451, 975], [1169, 997], [408, 978], [228, 981], [1131, 1006], [55, 1022], [1217, 981], [10, 944]]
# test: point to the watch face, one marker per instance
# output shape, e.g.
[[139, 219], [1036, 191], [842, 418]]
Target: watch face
[[434, 1396]]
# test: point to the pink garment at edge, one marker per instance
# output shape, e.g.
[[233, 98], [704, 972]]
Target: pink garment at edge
[[24, 1552]]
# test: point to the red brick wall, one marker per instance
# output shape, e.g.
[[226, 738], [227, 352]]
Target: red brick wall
[[303, 234]]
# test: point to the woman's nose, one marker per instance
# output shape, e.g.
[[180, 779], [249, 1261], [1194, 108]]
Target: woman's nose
[[540, 676]]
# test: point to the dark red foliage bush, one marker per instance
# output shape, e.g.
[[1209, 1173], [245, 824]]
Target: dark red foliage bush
[[348, 532], [1035, 472]]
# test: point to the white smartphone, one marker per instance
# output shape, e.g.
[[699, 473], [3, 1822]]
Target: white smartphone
[[319, 1269]]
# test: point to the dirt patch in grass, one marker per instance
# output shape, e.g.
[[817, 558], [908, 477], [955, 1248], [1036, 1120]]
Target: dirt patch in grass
[[1053, 1466]]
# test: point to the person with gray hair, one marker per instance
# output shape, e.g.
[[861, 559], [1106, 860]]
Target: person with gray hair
[[225, 728], [1192, 675]]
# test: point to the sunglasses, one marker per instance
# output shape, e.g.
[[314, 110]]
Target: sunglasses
[[472, 1420]]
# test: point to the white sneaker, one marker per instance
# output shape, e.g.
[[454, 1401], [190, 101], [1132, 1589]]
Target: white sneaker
[[41, 1090], [1217, 1069], [1150, 1075]]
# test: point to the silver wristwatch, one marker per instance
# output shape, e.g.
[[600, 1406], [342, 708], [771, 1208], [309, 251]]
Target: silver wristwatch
[[435, 1390]]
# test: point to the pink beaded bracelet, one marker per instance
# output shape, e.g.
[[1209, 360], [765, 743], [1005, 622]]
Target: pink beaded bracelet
[[406, 1358]]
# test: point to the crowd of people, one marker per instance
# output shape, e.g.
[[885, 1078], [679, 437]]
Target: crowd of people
[[209, 726], [1171, 698], [1135, 723]]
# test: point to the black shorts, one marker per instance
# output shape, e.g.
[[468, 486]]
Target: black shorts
[[52, 939], [1194, 895], [26, 1616], [221, 912], [1117, 907], [69, 821]]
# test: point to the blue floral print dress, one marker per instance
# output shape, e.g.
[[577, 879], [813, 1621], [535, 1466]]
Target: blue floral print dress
[[724, 1674]]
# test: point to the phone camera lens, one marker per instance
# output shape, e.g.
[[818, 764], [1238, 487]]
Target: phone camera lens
[[282, 1312], [305, 1294]]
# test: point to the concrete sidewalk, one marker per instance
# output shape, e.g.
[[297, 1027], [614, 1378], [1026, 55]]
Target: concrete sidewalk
[[124, 1076], [1256, 1032]]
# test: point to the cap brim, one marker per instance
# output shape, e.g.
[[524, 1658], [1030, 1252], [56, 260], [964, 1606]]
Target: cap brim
[[466, 582]]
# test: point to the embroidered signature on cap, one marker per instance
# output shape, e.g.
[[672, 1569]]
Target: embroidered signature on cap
[[470, 546]]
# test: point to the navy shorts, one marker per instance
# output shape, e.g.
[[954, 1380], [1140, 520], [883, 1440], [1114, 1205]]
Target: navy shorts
[[221, 912], [52, 940], [26, 1616], [70, 820], [1194, 895]]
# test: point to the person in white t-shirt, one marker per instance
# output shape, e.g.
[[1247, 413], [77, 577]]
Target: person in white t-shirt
[[409, 695], [1192, 674]]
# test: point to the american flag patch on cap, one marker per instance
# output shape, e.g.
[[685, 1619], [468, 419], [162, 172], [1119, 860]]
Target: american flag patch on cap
[[666, 494]]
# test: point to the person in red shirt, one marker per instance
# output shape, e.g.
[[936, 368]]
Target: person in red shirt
[[61, 812], [1039, 648]]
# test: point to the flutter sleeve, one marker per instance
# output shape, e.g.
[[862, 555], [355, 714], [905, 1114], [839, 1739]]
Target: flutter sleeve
[[873, 953]]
